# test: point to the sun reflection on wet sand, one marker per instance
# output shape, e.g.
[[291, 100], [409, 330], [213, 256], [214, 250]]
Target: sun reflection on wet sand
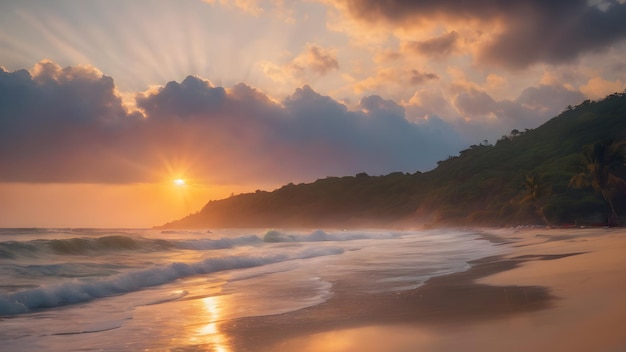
[[209, 333], [364, 339]]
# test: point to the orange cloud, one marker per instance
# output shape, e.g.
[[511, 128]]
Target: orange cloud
[[313, 61], [394, 76], [598, 87]]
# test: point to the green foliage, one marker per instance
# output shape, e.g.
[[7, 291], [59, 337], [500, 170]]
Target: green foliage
[[600, 171], [480, 186]]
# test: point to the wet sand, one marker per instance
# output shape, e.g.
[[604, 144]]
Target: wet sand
[[557, 290]]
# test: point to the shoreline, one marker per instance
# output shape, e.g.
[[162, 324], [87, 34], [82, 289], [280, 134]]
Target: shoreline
[[449, 312]]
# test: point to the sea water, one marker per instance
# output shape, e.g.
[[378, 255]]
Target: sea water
[[132, 289]]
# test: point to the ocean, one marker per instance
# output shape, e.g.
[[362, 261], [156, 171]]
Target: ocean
[[146, 289]]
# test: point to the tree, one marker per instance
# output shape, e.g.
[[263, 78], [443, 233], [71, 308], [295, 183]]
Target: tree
[[536, 192], [600, 163]]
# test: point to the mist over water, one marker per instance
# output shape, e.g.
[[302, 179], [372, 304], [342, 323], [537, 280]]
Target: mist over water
[[107, 283]]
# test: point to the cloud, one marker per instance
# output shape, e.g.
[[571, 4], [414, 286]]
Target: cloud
[[416, 77], [386, 76], [191, 97], [532, 107], [546, 100], [318, 60], [279, 8], [436, 47], [475, 115], [250, 6], [70, 125], [377, 139], [56, 121], [474, 103], [313, 62], [511, 33], [428, 103], [598, 87]]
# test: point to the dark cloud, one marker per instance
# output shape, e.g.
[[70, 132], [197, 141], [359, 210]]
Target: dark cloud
[[408, 10], [70, 125], [60, 119], [418, 77], [378, 139], [189, 98], [439, 46], [558, 35], [533, 30], [379, 107], [391, 139]]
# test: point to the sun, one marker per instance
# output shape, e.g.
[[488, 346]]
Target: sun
[[179, 182]]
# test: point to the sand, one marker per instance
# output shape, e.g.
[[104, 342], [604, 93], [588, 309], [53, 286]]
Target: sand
[[557, 290]]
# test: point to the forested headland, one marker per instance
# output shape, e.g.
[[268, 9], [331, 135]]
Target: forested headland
[[569, 171]]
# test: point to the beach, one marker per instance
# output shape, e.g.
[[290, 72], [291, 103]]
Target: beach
[[556, 290], [441, 290], [213, 290]]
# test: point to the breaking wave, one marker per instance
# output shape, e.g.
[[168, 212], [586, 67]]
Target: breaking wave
[[320, 236], [113, 243], [77, 291]]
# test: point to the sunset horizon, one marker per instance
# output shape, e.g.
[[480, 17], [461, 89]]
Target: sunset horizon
[[246, 95], [313, 175]]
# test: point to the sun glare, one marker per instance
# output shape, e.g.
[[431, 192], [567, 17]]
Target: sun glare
[[179, 182]]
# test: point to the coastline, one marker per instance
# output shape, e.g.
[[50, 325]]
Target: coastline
[[557, 290]]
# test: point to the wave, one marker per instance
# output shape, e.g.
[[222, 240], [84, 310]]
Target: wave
[[113, 243], [185, 232], [31, 230], [77, 291], [83, 245], [78, 246], [86, 245], [221, 243], [64, 270], [13, 249], [321, 236]]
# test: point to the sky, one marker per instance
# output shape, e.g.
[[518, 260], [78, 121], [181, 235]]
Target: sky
[[103, 104]]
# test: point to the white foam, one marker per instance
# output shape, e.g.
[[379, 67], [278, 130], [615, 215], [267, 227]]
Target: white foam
[[222, 243], [321, 236], [77, 291]]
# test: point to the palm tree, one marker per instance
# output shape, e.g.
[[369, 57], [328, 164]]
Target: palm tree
[[537, 190], [598, 171]]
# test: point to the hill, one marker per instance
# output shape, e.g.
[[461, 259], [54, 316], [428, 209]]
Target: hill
[[480, 186]]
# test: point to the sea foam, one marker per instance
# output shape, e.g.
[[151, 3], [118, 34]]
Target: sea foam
[[320, 236], [76, 291]]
